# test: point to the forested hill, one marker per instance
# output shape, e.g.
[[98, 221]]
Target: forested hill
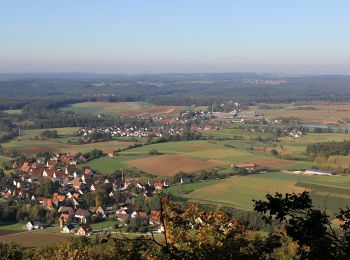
[[175, 89]]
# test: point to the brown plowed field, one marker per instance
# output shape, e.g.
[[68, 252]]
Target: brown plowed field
[[33, 238], [274, 163], [169, 165]]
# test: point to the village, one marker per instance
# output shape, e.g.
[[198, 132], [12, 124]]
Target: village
[[78, 196], [164, 126], [196, 121]]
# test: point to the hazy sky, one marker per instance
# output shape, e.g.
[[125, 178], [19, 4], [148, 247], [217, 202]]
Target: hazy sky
[[129, 36]]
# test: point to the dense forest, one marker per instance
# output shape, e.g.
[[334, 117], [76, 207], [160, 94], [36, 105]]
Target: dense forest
[[19, 90]]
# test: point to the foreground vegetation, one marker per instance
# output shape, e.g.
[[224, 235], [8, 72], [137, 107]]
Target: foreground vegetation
[[302, 232]]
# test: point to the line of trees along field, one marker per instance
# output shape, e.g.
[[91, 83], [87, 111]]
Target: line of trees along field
[[332, 156], [327, 149]]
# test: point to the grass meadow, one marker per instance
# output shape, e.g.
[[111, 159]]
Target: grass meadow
[[239, 191], [123, 108]]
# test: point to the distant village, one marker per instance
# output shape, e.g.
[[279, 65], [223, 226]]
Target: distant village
[[200, 121]]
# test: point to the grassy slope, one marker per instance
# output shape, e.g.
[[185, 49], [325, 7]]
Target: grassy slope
[[3, 159], [239, 191], [11, 226], [109, 165]]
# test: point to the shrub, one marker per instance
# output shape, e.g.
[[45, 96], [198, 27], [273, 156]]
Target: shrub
[[153, 152]]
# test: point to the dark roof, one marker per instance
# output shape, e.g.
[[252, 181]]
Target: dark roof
[[70, 226], [82, 212]]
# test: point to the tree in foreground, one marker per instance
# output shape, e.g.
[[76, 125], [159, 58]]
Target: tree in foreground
[[302, 232], [311, 228]]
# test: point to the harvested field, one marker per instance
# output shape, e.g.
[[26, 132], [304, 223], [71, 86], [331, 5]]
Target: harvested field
[[33, 238], [275, 163], [321, 113], [124, 108], [6, 232], [29, 147], [169, 165]]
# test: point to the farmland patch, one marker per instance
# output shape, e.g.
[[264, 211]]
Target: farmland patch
[[169, 165]]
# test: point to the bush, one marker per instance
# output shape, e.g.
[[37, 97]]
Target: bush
[[49, 134], [274, 152], [153, 152]]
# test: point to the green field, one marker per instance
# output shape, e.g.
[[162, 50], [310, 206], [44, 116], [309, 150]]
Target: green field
[[13, 111], [103, 225], [229, 133], [192, 153], [64, 134], [220, 153], [123, 108], [239, 191], [213, 153], [3, 159], [109, 165], [107, 108], [11, 226]]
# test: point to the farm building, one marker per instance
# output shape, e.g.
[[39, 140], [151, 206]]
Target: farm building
[[32, 225], [82, 215], [247, 166], [85, 230], [70, 228]]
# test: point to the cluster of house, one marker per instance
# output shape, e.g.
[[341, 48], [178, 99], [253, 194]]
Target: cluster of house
[[133, 131], [188, 114], [296, 133], [264, 81], [73, 183], [76, 221]]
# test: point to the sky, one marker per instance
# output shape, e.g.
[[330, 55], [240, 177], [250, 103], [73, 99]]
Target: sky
[[161, 36]]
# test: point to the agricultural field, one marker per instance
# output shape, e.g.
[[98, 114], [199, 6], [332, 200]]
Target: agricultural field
[[229, 133], [31, 147], [3, 159], [30, 239], [316, 113], [109, 165], [124, 109], [239, 191], [191, 156], [297, 146], [169, 165], [13, 111], [11, 226], [103, 225], [186, 156]]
